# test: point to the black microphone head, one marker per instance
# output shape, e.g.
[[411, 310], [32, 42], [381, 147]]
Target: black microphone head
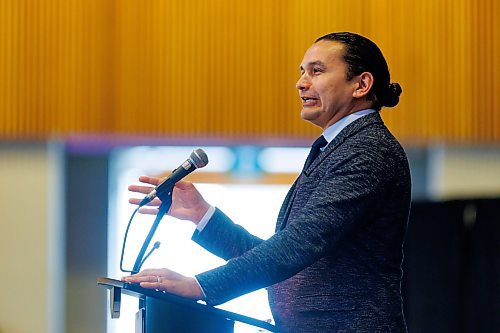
[[199, 158]]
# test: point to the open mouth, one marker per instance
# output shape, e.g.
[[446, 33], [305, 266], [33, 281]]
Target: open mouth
[[308, 100]]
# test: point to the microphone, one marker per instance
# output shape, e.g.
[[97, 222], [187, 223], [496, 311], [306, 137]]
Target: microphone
[[197, 159], [156, 246]]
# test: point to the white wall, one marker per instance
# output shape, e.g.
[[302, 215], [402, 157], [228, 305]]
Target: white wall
[[31, 235], [463, 172]]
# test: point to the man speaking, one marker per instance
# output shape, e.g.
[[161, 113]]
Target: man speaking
[[334, 262]]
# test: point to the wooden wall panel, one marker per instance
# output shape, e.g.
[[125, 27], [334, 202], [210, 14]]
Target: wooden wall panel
[[227, 69], [54, 68]]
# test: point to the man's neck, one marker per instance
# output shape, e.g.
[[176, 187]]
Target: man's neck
[[332, 131], [348, 111]]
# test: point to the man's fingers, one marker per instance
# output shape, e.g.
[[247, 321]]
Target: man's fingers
[[150, 180], [148, 211], [141, 278], [140, 189], [150, 271], [135, 201], [151, 285], [163, 285]]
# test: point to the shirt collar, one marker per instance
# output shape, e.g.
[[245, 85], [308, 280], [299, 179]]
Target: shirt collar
[[332, 131]]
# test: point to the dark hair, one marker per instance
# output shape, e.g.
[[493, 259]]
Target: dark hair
[[363, 55]]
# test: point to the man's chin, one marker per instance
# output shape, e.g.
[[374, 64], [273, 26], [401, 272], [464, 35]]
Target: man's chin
[[314, 116], [309, 114]]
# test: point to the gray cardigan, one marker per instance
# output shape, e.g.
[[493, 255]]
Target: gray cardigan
[[334, 263]]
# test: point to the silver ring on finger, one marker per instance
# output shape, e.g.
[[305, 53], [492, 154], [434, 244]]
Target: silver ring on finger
[[158, 279]]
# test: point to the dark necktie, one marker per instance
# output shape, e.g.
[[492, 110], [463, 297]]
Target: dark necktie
[[315, 150]]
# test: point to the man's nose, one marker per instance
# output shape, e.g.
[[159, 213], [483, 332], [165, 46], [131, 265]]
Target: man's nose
[[303, 83]]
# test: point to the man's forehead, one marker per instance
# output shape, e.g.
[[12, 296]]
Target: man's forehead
[[322, 52], [321, 55]]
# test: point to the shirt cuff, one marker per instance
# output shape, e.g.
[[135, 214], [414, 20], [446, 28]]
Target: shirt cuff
[[205, 219], [203, 291]]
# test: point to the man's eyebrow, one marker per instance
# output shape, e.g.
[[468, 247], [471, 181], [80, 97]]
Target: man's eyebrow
[[314, 63]]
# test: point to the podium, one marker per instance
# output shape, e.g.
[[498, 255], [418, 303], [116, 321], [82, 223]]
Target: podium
[[161, 312]]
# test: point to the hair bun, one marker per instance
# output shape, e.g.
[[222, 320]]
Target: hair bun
[[391, 96]]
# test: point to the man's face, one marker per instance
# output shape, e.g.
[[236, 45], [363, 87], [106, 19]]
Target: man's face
[[326, 94]]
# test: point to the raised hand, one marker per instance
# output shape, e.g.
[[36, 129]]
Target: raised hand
[[187, 202]]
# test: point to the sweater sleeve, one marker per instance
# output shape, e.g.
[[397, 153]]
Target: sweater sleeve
[[224, 238]]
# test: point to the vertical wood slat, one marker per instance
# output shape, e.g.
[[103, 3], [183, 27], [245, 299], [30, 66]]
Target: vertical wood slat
[[227, 69]]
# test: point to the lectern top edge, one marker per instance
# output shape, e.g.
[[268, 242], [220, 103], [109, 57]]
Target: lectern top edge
[[137, 291]]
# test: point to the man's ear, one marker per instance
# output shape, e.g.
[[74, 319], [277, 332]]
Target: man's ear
[[364, 84]]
